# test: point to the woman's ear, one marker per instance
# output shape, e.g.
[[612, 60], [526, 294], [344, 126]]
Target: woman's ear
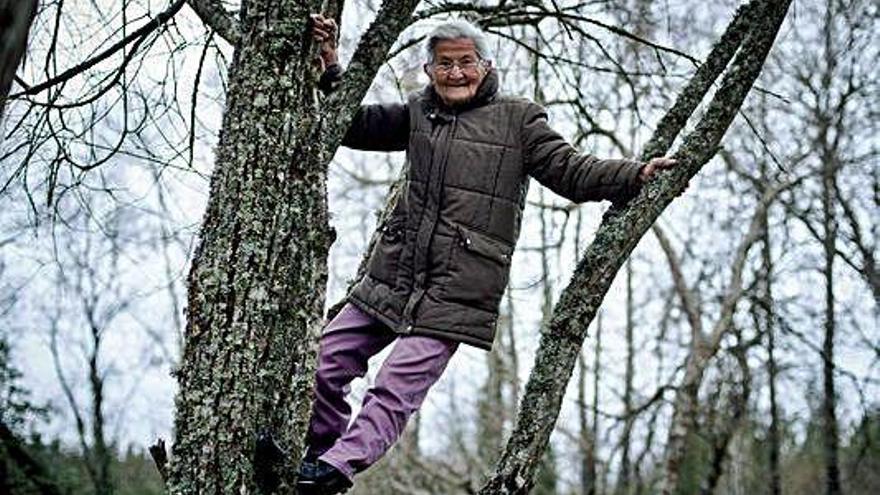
[[428, 72]]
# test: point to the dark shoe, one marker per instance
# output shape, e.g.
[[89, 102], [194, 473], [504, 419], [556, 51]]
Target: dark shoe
[[268, 457], [320, 478]]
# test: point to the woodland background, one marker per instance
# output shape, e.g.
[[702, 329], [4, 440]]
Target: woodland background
[[104, 180]]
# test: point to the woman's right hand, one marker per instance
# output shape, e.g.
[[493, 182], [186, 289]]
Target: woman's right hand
[[324, 32]]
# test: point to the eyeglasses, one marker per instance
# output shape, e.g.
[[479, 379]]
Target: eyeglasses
[[466, 65]]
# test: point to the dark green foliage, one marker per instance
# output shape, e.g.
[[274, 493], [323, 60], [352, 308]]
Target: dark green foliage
[[21, 469], [861, 457], [694, 465], [16, 409], [133, 472], [547, 479]]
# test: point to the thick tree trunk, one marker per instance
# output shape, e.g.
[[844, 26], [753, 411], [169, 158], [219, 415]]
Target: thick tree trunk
[[619, 234], [256, 286]]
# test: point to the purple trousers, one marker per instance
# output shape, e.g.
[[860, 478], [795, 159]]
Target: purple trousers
[[414, 365]]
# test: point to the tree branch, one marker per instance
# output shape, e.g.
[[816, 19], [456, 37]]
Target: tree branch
[[212, 13], [688, 301], [160, 457], [371, 52], [136, 35]]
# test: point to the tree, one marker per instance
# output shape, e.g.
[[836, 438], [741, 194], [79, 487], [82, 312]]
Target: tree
[[754, 29], [256, 286]]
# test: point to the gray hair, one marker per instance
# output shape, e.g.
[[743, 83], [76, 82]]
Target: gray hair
[[457, 29]]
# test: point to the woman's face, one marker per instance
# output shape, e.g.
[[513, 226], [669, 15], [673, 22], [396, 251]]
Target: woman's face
[[456, 71]]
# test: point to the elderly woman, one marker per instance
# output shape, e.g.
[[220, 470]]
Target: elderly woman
[[438, 271]]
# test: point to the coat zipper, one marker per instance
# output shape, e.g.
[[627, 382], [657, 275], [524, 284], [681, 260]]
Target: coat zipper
[[418, 292]]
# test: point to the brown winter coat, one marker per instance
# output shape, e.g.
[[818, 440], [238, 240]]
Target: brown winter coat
[[442, 262]]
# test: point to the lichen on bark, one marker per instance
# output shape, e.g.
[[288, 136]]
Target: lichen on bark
[[256, 287]]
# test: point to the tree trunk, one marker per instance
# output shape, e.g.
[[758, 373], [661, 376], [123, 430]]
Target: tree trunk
[[586, 442], [829, 400], [623, 483], [618, 234], [16, 17], [257, 282], [730, 415], [100, 454], [766, 295]]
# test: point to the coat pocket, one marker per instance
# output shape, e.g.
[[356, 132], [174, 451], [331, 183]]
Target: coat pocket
[[478, 269], [386, 253]]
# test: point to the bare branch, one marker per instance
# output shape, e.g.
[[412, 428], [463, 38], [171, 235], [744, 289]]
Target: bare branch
[[212, 13], [688, 300], [137, 36]]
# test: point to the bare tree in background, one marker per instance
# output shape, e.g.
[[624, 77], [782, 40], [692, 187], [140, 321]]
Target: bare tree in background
[[90, 301], [838, 91]]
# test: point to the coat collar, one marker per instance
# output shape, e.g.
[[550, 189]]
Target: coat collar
[[486, 92]]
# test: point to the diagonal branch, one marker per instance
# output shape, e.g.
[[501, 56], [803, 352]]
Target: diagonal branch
[[688, 300], [735, 288], [137, 36], [212, 13], [371, 53]]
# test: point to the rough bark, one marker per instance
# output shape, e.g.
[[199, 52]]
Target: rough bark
[[619, 233], [257, 283]]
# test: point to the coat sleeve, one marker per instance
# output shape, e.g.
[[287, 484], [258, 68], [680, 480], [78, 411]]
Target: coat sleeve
[[383, 127], [579, 177]]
